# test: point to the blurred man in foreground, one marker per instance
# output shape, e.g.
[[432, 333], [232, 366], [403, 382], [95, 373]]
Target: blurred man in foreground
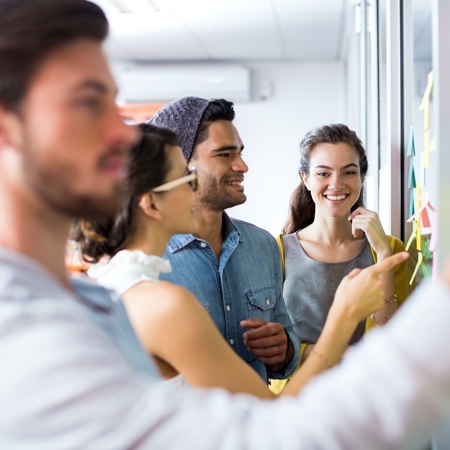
[[73, 373]]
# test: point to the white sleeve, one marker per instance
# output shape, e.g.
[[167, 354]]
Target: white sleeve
[[66, 386], [393, 388]]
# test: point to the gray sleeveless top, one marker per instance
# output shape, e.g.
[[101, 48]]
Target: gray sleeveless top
[[309, 287]]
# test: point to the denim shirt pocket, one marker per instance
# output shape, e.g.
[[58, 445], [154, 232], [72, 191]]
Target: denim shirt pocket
[[261, 302]]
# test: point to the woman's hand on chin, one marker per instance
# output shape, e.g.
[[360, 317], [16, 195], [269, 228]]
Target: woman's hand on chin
[[369, 222]]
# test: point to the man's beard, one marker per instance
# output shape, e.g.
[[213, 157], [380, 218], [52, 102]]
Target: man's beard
[[51, 182], [216, 199]]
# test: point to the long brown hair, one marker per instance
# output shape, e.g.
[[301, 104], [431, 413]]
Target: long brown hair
[[302, 208]]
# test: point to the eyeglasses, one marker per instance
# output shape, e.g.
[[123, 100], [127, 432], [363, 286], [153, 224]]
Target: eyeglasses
[[192, 179]]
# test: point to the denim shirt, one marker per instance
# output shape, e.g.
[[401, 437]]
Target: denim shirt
[[244, 283]]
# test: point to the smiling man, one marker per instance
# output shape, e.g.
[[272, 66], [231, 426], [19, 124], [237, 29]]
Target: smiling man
[[73, 374], [232, 266]]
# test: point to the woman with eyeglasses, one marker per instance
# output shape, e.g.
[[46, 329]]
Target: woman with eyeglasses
[[157, 200]]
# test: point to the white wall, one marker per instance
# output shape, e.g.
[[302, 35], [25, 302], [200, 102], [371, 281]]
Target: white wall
[[289, 99], [305, 95]]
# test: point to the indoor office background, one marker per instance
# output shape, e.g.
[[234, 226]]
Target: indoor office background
[[382, 67], [291, 65]]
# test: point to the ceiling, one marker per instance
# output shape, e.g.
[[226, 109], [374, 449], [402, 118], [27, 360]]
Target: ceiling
[[225, 30]]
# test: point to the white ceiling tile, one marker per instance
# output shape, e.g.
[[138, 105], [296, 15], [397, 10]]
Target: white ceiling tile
[[163, 37], [180, 52], [308, 29], [229, 29], [247, 52], [308, 6], [316, 52], [237, 7], [152, 23]]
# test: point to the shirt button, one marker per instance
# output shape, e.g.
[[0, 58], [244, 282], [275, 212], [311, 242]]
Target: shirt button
[[228, 308], [231, 341], [267, 301], [203, 244]]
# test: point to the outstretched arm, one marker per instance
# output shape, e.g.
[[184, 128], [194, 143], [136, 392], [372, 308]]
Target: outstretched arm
[[174, 327], [358, 294]]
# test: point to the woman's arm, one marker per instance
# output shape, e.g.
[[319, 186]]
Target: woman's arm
[[358, 294], [173, 326], [369, 222]]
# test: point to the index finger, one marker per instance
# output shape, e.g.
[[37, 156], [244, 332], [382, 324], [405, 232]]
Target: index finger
[[252, 323], [356, 212], [389, 263], [355, 229]]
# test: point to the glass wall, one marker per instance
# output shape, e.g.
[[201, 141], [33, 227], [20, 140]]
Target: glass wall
[[407, 178], [403, 61], [411, 98], [421, 181]]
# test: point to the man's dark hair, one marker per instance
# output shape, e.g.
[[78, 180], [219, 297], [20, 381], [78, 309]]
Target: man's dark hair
[[216, 110], [31, 29]]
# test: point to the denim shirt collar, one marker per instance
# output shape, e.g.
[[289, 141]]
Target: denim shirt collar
[[230, 232]]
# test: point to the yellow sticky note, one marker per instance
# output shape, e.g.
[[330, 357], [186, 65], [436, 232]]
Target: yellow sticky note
[[419, 263], [417, 195], [426, 115], [419, 236], [413, 234]]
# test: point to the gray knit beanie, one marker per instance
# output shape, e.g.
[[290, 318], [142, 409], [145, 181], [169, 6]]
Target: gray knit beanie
[[182, 116]]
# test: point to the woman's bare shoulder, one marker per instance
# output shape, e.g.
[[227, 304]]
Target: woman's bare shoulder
[[161, 297]]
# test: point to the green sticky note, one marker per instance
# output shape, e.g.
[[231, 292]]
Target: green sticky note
[[411, 203], [412, 175], [411, 146]]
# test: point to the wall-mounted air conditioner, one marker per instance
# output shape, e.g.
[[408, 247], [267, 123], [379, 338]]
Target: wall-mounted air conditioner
[[154, 83]]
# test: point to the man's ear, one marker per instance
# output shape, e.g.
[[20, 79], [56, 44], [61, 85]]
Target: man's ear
[[149, 205], [10, 129], [305, 179]]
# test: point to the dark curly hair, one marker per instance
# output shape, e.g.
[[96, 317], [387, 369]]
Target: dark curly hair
[[148, 167], [302, 208]]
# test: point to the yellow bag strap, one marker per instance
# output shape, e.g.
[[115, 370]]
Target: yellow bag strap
[[279, 240]]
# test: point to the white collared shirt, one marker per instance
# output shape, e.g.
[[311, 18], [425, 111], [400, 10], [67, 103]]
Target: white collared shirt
[[66, 382]]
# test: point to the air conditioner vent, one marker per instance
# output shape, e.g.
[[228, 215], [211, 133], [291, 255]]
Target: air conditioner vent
[[150, 83]]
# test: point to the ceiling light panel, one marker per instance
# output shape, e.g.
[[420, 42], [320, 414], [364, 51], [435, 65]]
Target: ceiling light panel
[[130, 6]]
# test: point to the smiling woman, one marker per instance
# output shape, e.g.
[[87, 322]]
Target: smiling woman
[[329, 233], [157, 201]]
